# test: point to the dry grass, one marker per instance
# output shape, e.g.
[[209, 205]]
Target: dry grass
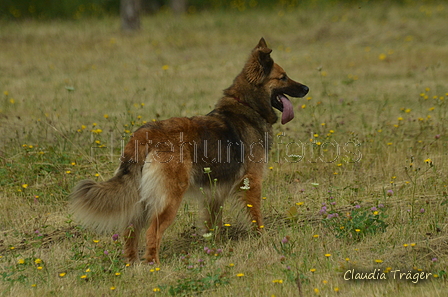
[[377, 76]]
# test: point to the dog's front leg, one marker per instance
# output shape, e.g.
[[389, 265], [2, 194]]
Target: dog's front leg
[[252, 198], [131, 237]]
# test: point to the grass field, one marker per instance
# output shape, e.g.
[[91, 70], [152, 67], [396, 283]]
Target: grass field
[[367, 190]]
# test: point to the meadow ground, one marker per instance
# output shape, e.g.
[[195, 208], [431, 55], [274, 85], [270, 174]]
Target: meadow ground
[[366, 189]]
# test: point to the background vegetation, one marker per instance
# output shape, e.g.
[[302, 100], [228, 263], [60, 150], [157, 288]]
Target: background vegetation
[[76, 9], [368, 189]]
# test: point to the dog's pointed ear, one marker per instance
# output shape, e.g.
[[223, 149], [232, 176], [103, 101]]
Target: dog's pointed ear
[[260, 63], [264, 54], [262, 45]]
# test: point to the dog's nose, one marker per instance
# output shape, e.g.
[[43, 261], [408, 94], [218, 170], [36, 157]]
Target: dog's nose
[[305, 90]]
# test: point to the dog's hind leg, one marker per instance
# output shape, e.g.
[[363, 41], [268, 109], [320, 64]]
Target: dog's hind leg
[[173, 184], [155, 231]]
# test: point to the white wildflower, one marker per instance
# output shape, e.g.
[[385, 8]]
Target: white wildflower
[[246, 184]]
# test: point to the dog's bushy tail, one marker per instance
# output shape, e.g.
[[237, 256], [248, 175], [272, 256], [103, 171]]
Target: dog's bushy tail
[[110, 205]]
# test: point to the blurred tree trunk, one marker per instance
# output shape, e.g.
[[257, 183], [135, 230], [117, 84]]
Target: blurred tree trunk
[[130, 15], [178, 6]]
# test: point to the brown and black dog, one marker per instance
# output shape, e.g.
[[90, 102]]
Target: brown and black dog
[[221, 154]]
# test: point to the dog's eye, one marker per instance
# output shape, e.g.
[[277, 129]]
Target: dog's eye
[[284, 78]]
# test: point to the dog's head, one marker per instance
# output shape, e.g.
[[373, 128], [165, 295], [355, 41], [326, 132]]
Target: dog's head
[[271, 81]]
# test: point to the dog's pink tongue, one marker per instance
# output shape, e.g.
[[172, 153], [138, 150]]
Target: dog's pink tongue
[[288, 111]]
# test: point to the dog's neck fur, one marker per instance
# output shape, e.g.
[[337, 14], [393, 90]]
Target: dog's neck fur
[[264, 110], [240, 101]]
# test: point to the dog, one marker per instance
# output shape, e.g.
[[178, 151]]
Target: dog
[[221, 154]]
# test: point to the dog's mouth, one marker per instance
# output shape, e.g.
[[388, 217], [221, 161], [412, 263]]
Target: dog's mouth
[[283, 104]]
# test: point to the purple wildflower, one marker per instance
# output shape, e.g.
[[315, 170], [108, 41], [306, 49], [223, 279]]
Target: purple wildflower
[[115, 237], [332, 215], [323, 210], [390, 192]]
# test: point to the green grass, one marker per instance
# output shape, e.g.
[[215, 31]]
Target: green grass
[[372, 133]]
